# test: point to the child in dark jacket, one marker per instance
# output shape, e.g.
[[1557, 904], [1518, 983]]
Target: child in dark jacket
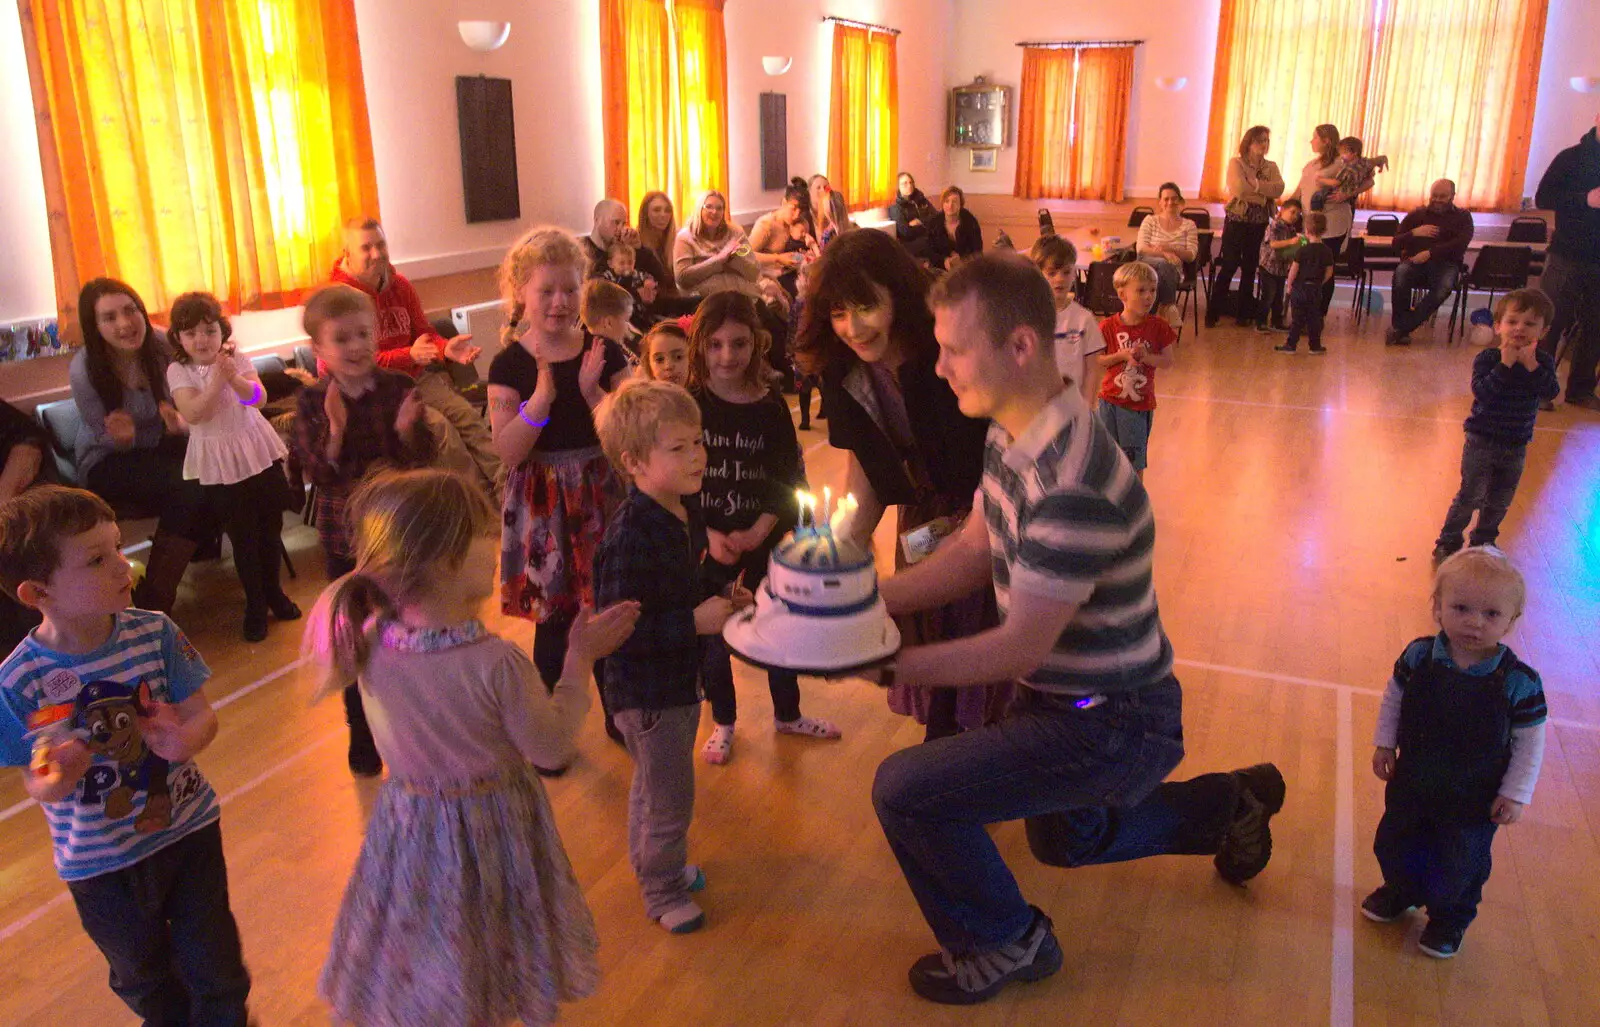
[[1509, 381]]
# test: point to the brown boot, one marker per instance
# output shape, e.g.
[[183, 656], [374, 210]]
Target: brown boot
[[169, 557]]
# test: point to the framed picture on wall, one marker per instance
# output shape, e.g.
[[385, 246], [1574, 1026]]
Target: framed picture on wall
[[982, 160]]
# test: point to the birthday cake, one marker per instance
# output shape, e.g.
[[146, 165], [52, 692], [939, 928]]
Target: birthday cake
[[818, 610]]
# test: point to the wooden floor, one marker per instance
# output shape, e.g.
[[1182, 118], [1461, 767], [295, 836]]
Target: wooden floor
[[1297, 500]]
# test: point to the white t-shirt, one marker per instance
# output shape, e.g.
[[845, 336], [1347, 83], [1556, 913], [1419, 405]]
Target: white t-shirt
[[1077, 337]]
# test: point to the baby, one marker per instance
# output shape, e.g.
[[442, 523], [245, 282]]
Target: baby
[[1355, 170]]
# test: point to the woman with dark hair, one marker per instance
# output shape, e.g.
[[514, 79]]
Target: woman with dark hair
[[1254, 183], [131, 449], [782, 240], [869, 333], [1167, 241], [956, 236], [911, 212], [1339, 210]]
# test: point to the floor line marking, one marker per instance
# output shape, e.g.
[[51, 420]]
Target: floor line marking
[[24, 921], [1579, 430], [222, 703], [1342, 982], [1335, 686]]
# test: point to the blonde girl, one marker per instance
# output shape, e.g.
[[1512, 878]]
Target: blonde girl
[[496, 928], [543, 388]]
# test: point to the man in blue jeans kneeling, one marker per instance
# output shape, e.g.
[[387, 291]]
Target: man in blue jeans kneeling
[[1064, 535]]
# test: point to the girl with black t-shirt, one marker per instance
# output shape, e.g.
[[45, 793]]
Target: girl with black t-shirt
[[561, 491], [753, 466]]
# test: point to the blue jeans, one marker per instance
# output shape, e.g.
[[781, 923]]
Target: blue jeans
[[1490, 472], [1087, 780], [1168, 277], [165, 926], [1435, 862], [1437, 276]]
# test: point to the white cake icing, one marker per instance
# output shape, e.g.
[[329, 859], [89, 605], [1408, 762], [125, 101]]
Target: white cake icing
[[818, 610]]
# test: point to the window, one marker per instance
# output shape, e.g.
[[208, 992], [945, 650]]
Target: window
[[226, 142], [1443, 88], [864, 116], [664, 69], [1072, 128]]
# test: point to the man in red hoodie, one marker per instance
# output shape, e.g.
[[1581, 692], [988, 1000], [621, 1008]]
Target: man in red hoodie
[[407, 342]]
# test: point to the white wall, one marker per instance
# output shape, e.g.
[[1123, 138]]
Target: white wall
[[1167, 131], [411, 54], [1561, 116]]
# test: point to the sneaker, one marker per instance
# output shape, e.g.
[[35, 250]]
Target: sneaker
[[719, 746], [1263, 329], [282, 607], [694, 879], [811, 727], [968, 980], [1439, 941], [1385, 906], [1394, 338], [1286, 347], [1247, 846], [1319, 350], [255, 623], [684, 919]]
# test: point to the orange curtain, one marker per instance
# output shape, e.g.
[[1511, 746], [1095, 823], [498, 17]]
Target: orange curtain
[[664, 88], [702, 102], [636, 68], [1100, 123], [1291, 67], [199, 144], [1444, 88], [1072, 129], [1468, 118], [864, 117], [1044, 122]]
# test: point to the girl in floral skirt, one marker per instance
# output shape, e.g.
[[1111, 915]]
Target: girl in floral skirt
[[463, 907], [561, 491]]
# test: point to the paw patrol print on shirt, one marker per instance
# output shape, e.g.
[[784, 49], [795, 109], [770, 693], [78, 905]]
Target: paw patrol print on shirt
[[108, 712]]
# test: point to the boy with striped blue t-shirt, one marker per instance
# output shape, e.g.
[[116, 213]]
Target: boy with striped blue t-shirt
[[103, 707]]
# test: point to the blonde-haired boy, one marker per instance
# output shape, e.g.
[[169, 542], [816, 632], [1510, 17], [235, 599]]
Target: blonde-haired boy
[[1136, 344], [650, 431], [1459, 741]]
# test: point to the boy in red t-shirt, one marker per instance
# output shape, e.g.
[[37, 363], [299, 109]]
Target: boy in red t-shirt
[[1136, 344]]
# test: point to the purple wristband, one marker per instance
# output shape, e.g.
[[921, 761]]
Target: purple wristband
[[522, 412], [256, 396]]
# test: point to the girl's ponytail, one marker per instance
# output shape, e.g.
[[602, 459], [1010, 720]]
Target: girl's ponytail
[[342, 630]]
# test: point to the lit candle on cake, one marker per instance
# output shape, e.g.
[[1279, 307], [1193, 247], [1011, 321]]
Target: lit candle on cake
[[841, 516], [827, 505]]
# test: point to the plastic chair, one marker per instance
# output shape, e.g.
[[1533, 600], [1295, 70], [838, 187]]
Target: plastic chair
[[1497, 269], [1199, 215], [1136, 218], [1534, 230], [1383, 226], [1189, 290], [1101, 298], [1351, 266]]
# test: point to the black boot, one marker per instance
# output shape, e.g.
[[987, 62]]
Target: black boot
[[364, 758], [169, 558]]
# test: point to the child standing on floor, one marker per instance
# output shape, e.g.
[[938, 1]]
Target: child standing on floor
[[1310, 269], [543, 387], [651, 556], [753, 467], [1509, 381], [118, 697], [1460, 740], [500, 930], [1278, 248], [1136, 343], [233, 452], [664, 353], [1077, 335], [358, 417]]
